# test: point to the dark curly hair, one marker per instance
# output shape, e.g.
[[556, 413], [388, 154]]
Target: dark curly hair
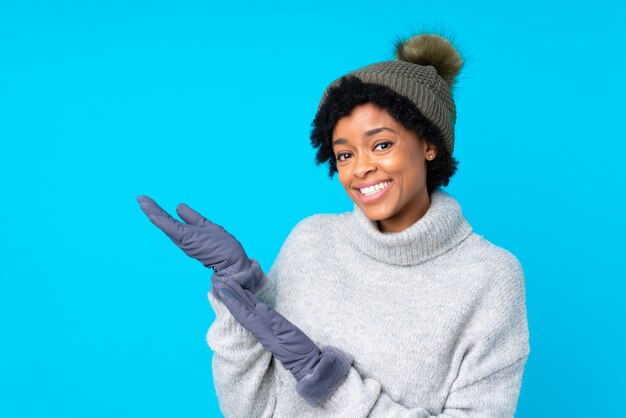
[[352, 92]]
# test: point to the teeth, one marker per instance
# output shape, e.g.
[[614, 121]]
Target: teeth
[[375, 188]]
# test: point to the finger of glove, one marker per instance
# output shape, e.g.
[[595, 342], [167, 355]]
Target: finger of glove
[[170, 226], [256, 324], [150, 207], [192, 217], [231, 293], [248, 318], [245, 296]]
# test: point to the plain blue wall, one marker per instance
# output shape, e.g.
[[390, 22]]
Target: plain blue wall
[[211, 105]]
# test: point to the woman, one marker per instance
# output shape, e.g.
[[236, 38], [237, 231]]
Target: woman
[[395, 309]]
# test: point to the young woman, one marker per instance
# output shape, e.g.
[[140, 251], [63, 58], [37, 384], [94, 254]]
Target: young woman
[[395, 309]]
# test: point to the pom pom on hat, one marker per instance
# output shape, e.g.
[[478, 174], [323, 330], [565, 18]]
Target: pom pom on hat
[[434, 50]]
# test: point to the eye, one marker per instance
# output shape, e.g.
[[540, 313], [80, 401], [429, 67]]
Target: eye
[[385, 145], [341, 155]]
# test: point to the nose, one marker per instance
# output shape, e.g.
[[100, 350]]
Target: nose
[[363, 165]]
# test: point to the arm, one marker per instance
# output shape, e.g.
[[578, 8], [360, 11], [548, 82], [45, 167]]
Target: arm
[[244, 378], [243, 372], [493, 396], [488, 380]]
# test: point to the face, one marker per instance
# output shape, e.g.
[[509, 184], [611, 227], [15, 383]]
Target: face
[[382, 167]]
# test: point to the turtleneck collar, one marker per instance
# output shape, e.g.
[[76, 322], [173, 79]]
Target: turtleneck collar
[[442, 227]]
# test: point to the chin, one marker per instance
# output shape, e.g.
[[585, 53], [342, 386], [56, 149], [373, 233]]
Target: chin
[[376, 214]]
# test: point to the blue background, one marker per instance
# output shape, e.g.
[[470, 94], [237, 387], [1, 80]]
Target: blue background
[[211, 105]]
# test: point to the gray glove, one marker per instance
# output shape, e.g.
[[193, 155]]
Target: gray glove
[[207, 242], [318, 372]]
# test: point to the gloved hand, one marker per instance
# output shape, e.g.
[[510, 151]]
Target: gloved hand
[[207, 242], [318, 372]]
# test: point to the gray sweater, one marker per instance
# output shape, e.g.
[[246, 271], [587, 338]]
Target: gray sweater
[[433, 316]]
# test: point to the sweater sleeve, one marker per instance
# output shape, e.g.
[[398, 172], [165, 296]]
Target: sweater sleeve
[[493, 396], [243, 371], [489, 377]]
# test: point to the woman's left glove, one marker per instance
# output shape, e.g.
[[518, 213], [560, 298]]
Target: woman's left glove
[[318, 372], [207, 242]]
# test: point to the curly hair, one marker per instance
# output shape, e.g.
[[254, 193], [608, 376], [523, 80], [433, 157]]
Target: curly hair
[[352, 92]]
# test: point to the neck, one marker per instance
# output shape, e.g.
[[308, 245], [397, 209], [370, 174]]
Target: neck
[[439, 229], [407, 216]]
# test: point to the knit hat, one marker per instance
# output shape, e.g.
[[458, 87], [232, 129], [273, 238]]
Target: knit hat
[[423, 71]]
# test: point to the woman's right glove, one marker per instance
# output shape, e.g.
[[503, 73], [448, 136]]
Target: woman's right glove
[[318, 372], [208, 243]]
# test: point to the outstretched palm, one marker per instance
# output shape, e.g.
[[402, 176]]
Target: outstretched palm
[[199, 238]]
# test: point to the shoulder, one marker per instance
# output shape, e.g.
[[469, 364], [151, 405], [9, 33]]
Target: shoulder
[[314, 232], [503, 292], [308, 243], [299, 250], [495, 305], [497, 260], [321, 220], [320, 225], [495, 275]]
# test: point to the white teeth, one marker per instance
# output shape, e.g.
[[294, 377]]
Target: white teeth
[[375, 188]]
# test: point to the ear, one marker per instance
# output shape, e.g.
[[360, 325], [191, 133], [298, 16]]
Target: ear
[[429, 149]]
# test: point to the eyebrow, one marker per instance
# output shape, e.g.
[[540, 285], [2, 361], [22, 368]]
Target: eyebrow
[[341, 141]]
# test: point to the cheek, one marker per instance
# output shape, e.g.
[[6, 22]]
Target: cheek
[[393, 164], [416, 177], [405, 168], [343, 178]]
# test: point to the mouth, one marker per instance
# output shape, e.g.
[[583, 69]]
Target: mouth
[[374, 192]]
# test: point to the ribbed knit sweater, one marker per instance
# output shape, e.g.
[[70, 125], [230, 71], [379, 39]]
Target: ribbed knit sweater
[[434, 317]]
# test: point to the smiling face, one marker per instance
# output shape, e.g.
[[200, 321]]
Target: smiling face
[[382, 166]]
